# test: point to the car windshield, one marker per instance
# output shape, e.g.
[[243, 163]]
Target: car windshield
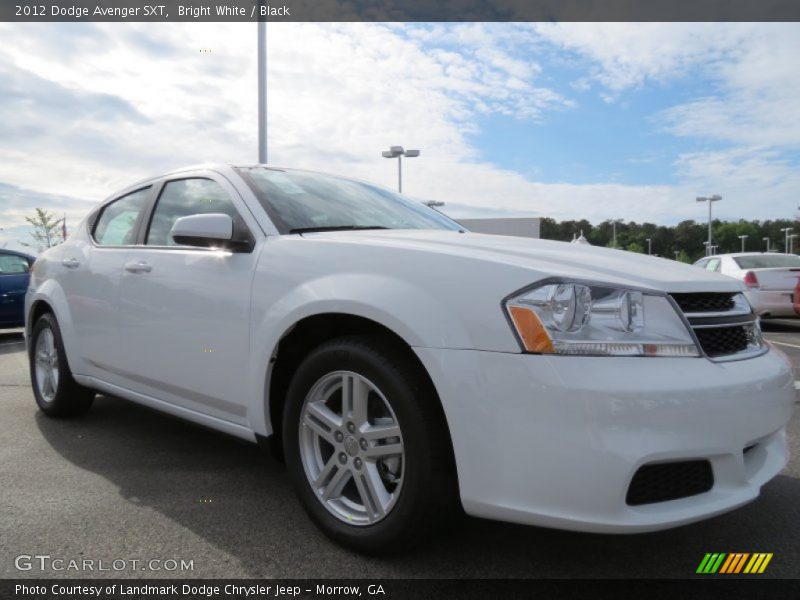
[[298, 201], [768, 261]]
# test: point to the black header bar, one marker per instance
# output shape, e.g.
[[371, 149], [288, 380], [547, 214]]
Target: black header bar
[[401, 10]]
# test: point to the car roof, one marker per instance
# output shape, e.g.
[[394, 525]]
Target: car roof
[[739, 254], [15, 253], [209, 166]]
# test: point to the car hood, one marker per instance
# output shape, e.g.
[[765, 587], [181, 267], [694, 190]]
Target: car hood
[[545, 257]]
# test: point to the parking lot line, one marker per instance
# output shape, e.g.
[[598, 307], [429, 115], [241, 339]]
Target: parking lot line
[[785, 344]]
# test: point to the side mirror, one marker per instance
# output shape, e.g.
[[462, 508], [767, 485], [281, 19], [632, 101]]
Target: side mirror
[[213, 230]]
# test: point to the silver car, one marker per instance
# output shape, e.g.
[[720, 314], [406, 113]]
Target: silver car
[[771, 279]]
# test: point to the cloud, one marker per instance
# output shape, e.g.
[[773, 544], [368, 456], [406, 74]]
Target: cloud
[[88, 108]]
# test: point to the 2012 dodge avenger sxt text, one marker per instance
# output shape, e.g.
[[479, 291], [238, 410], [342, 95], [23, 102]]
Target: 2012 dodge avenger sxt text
[[403, 364]]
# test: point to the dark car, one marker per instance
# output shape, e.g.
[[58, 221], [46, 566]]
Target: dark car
[[14, 276]]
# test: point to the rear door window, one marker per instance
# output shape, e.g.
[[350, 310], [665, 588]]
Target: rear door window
[[116, 225], [768, 261]]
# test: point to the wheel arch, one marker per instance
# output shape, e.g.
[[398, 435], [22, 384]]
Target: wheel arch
[[49, 297], [308, 333]]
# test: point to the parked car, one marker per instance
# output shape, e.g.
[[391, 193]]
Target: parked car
[[405, 366], [14, 277], [770, 279]]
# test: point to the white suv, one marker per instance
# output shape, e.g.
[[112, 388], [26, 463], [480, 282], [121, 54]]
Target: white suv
[[404, 365]]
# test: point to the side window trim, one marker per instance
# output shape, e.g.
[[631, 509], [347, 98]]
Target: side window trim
[[152, 203], [136, 227]]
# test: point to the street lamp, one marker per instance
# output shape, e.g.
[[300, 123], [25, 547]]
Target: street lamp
[[744, 239], [398, 153], [614, 230], [786, 231], [766, 239], [676, 253], [649, 246], [262, 92], [710, 200]]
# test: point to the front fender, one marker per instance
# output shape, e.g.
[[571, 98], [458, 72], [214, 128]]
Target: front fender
[[414, 314]]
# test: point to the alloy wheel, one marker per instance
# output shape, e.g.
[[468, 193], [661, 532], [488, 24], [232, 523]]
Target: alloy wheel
[[46, 365], [351, 448]]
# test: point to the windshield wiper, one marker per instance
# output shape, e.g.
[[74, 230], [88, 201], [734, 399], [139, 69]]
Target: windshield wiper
[[335, 228]]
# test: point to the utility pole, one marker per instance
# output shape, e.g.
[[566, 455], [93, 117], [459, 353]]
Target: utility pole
[[398, 153], [710, 200], [262, 90], [744, 239], [786, 231]]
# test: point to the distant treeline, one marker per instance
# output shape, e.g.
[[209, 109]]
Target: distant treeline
[[686, 237]]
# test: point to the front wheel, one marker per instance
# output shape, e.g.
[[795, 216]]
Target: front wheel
[[366, 446], [57, 393]]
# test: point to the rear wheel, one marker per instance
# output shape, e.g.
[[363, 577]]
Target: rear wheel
[[366, 445], [57, 393]]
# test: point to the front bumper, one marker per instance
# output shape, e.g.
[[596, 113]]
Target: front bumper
[[556, 440]]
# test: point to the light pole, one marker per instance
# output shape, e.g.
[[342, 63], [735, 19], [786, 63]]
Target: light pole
[[262, 91], [786, 231], [676, 253], [766, 239], [398, 153], [649, 246], [744, 239], [710, 200], [614, 231]]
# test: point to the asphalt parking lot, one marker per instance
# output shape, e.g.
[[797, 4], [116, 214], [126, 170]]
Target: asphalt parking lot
[[125, 482]]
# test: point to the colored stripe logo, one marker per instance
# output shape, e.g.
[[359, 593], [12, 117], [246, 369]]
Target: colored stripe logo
[[734, 562]]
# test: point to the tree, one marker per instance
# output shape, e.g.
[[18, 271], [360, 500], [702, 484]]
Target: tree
[[635, 247], [45, 229]]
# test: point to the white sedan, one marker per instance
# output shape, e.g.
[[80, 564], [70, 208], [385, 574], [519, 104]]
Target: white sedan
[[771, 279], [406, 367]]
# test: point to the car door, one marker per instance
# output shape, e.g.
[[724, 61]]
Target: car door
[[14, 279], [89, 271], [185, 311]]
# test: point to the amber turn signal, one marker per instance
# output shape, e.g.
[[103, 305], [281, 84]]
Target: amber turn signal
[[530, 329]]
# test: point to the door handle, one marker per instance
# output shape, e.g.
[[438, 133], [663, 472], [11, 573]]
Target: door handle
[[138, 267], [71, 263]]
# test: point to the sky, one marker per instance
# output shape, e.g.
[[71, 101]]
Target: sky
[[564, 120]]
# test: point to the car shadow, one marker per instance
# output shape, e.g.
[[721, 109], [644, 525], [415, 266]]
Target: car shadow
[[240, 500], [11, 341], [781, 325]]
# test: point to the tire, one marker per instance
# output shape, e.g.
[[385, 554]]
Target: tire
[[57, 393], [419, 482]]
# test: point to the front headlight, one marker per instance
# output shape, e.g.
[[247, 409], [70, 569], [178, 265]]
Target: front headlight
[[597, 320]]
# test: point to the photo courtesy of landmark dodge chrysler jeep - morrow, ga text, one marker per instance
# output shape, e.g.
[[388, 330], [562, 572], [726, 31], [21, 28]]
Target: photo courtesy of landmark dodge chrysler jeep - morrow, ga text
[[405, 366]]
